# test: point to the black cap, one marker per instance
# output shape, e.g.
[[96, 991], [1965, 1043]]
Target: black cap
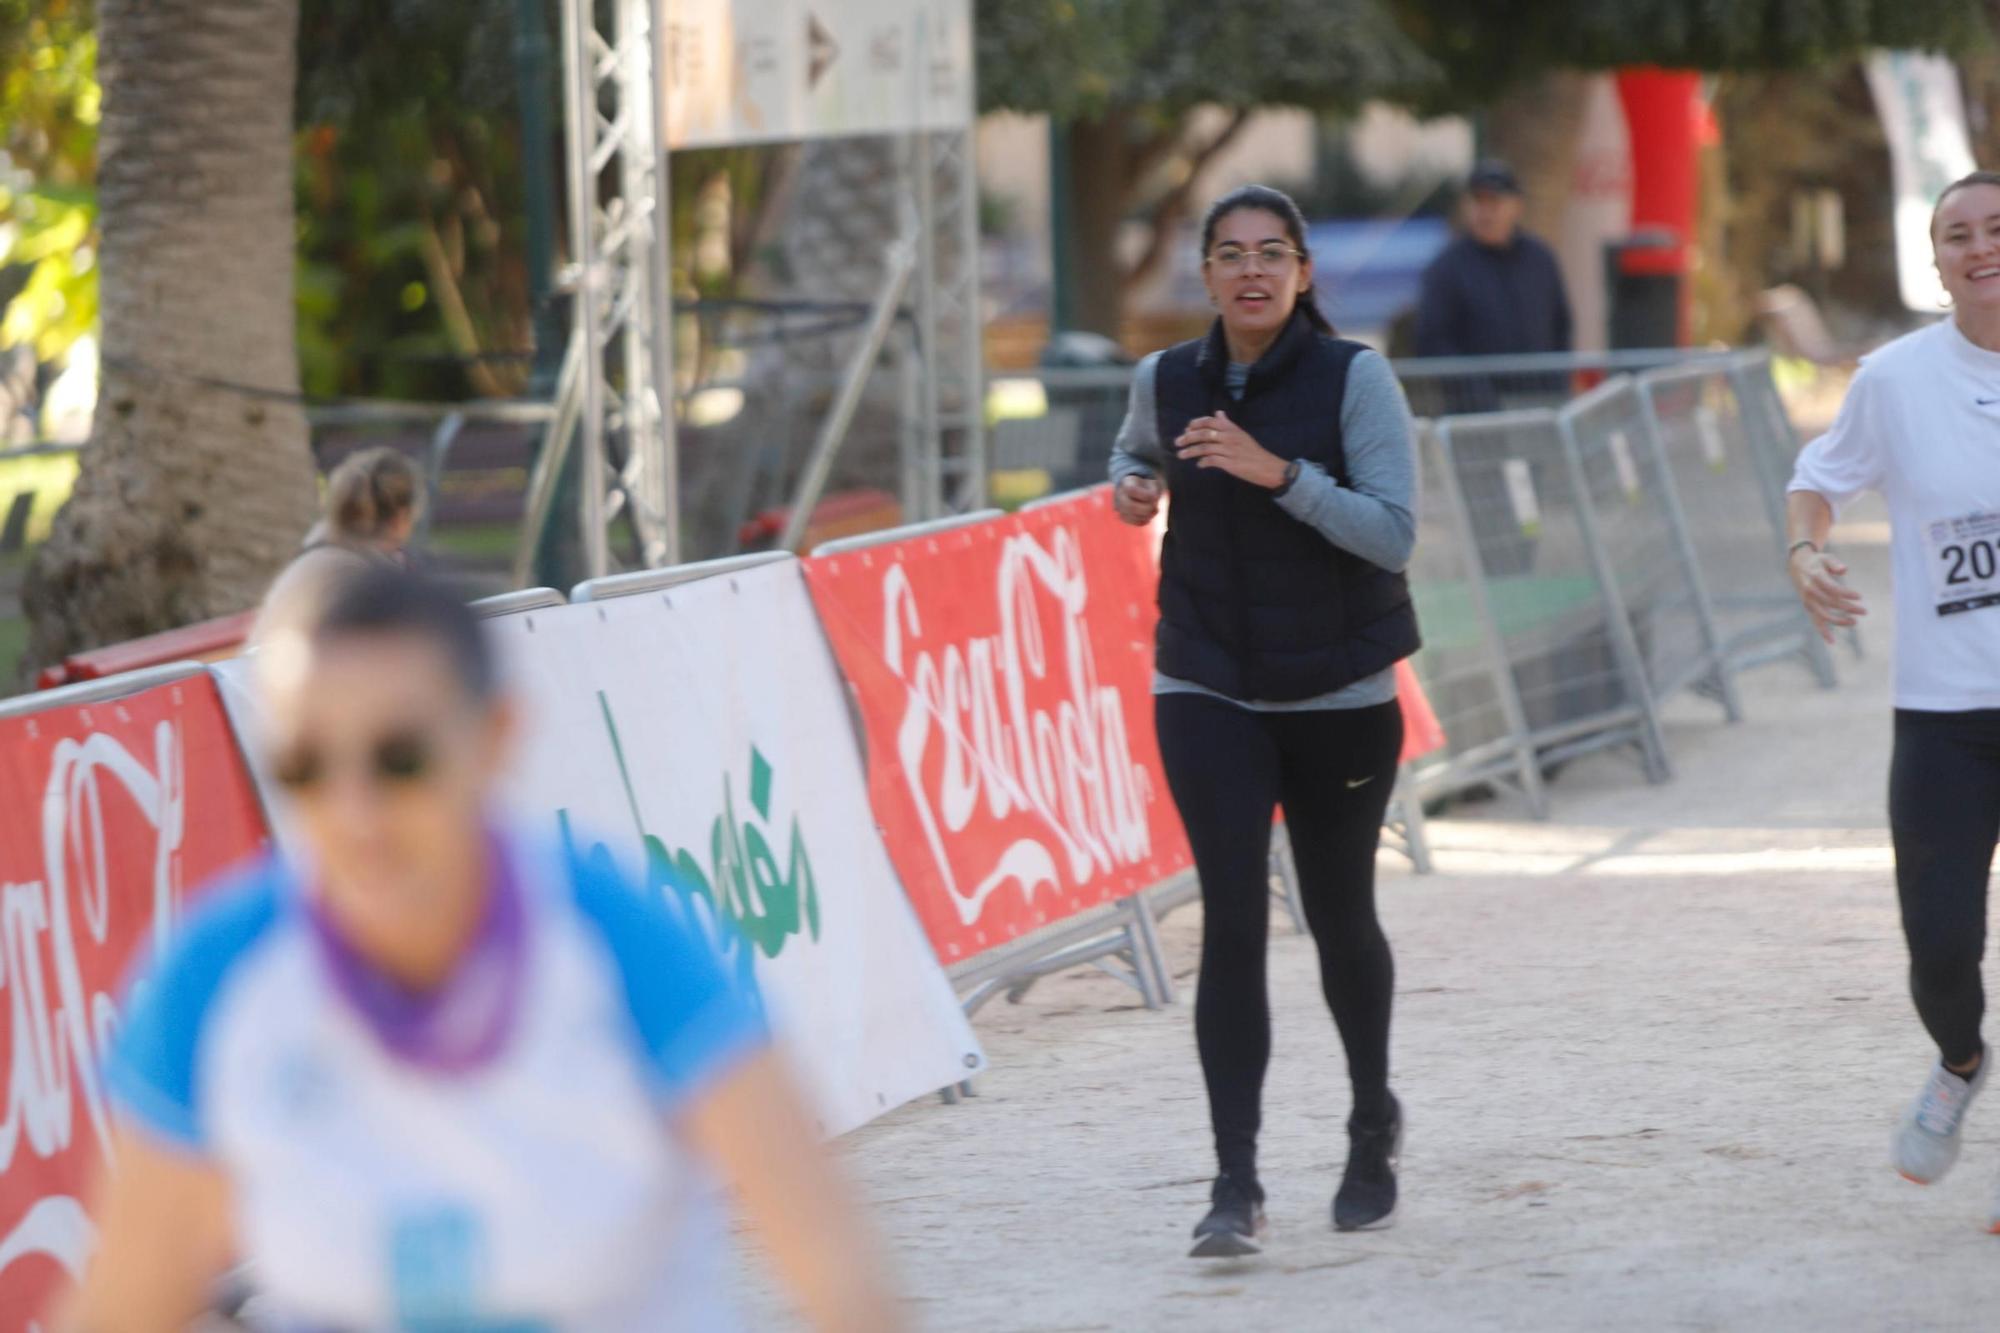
[[1492, 176]]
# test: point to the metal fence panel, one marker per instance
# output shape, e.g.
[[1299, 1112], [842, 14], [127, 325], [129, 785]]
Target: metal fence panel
[[1543, 593], [1463, 665], [1632, 514], [1718, 456], [1776, 450]]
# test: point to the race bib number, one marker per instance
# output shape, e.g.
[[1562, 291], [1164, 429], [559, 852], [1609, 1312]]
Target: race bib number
[[1964, 556]]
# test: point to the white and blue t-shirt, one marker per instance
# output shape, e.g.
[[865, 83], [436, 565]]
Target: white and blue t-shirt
[[537, 1186]]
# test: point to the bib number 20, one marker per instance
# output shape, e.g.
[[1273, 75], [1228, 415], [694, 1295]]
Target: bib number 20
[[1973, 562]]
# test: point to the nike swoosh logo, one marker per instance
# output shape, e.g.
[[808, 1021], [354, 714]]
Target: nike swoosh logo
[[1985, 402], [1352, 783]]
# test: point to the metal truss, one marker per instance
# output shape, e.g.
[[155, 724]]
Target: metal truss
[[618, 241], [619, 375]]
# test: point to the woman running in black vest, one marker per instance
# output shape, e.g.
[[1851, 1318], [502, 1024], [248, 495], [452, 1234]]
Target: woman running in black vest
[[1283, 608]]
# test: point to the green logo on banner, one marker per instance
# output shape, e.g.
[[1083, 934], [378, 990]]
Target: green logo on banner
[[746, 901]]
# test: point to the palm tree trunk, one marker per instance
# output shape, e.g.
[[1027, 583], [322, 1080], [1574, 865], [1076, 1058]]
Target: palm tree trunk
[[197, 481]]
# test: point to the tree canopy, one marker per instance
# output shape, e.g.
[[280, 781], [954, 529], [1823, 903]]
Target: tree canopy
[[1078, 58], [412, 281], [48, 157], [1075, 58], [1481, 47]]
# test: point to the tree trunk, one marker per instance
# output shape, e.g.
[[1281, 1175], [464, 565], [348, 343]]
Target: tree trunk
[[1100, 195], [1536, 128], [197, 482]]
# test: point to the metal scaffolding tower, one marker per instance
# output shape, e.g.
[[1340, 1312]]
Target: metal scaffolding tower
[[618, 241], [618, 376]]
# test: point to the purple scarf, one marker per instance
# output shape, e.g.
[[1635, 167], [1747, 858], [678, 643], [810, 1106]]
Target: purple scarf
[[463, 1023]]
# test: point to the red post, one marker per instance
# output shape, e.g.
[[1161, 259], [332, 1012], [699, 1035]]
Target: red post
[[1664, 114]]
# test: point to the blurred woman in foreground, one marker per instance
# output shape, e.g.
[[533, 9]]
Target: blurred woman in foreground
[[435, 1076]]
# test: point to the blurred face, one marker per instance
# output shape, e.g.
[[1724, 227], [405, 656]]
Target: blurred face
[[388, 761], [1966, 243], [1492, 216], [1254, 273], [400, 529]]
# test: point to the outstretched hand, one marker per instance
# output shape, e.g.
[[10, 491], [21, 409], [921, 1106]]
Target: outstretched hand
[[1816, 576]]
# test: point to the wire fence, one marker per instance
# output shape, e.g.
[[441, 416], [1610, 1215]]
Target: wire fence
[[1542, 602], [1726, 474]]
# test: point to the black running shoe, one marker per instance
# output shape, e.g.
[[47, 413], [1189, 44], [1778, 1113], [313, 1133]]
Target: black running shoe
[[1367, 1197], [1235, 1221]]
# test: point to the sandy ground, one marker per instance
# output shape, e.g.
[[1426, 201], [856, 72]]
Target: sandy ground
[[1650, 1051]]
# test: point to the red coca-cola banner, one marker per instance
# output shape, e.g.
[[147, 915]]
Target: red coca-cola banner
[[109, 813], [1003, 672]]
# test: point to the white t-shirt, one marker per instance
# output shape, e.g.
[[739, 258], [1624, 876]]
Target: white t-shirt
[[1921, 426], [544, 1189]]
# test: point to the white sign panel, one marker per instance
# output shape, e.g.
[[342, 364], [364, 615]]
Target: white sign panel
[[1923, 115], [764, 71], [701, 736]]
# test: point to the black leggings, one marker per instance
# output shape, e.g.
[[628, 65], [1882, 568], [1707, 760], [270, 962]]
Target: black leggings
[[1333, 771], [1944, 816]]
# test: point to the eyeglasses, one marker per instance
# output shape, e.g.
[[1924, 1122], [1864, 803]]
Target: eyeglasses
[[400, 759], [1233, 260]]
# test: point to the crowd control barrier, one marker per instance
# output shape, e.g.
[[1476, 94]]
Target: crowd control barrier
[[691, 725], [1631, 515], [1730, 479], [1560, 660], [117, 798], [1577, 566], [1002, 669]]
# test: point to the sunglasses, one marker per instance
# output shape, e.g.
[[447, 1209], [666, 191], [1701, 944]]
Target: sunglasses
[[399, 759]]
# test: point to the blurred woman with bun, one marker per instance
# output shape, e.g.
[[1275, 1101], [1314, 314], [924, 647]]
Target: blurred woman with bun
[[372, 504]]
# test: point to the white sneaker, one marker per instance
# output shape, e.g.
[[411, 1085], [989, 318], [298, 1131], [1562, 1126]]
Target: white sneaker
[[1926, 1142]]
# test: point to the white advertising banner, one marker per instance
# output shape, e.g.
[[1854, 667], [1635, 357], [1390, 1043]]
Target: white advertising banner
[[1923, 116], [765, 71], [701, 737]]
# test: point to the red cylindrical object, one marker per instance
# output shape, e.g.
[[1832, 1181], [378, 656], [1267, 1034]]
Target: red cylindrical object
[[1664, 115]]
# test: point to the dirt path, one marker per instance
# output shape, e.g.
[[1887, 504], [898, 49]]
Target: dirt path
[[1651, 1052]]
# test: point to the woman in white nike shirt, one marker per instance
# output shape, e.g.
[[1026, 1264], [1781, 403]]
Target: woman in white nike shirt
[[1921, 426]]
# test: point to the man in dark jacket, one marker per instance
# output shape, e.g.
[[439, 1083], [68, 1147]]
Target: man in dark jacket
[[1496, 290]]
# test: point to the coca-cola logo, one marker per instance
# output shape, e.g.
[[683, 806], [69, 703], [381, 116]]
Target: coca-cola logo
[[1018, 724], [62, 953]]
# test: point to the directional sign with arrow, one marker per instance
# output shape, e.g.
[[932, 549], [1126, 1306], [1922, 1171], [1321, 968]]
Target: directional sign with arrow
[[769, 71], [821, 50]]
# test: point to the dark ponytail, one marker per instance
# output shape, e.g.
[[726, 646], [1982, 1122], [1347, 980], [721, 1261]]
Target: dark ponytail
[[1281, 205]]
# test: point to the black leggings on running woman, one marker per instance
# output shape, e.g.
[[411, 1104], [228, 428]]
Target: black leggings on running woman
[[1332, 770], [1944, 817]]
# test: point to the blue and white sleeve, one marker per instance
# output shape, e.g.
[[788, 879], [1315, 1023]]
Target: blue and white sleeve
[[692, 1023], [153, 1071]]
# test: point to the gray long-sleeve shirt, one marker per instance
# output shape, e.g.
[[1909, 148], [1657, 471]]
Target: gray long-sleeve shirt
[[1373, 517]]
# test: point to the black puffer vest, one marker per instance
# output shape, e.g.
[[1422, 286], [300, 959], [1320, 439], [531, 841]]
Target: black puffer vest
[[1254, 604]]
